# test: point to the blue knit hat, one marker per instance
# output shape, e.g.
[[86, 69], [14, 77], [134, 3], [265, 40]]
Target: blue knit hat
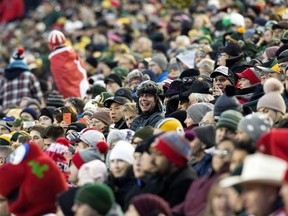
[[31, 111]]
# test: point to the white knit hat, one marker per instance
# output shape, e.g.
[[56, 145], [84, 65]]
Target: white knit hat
[[122, 151], [94, 171], [91, 137]]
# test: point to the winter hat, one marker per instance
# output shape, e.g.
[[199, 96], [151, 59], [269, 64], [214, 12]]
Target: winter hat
[[33, 102], [121, 96], [227, 101], [115, 78], [206, 134], [47, 111], [114, 136], [224, 71], [199, 85], [98, 196], [31, 111], [94, 171], [175, 147], [150, 205], [270, 66], [161, 61], [272, 98], [57, 151], [76, 126], [18, 61], [122, 151], [5, 139], [174, 88], [31, 178], [91, 137], [16, 135], [103, 116], [120, 71], [251, 74], [274, 143], [86, 155], [232, 49], [101, 98], [254, 125], [197, 111], [236, 36], [170, 124], [4, 124], [55, 99], [56, 39], [134, 74], [229, 119], [144, 133], [97, 89], [271, 51], [180, 115]]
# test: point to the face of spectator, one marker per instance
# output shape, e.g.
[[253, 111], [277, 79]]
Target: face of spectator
[[147, 103], [138, 172], [134, 83], [270, 112], [118, 168], [153, 66], [221, 82], [223, 132], [27, 116], [188, 121], [197, 147], [222, 155], [146, 163], [112, 87], [36, 137], [244, 83], [237, 158], [277, 33], [162, 164], [3, 130], [268, 36], [259, 199], [174, 73], [242, 136], [45, 120], [97, 124], [248, 23], [116, 112], [129, 117], [73, 174], [220, 202]]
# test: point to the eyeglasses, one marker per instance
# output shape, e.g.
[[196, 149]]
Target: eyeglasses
[[222, 153]]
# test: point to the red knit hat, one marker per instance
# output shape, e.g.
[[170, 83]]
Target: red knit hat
[[56, 39], [86, 155], [31, 181], [274, 143], [57, 151], [175, 147]]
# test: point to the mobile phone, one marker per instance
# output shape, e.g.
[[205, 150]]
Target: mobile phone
[[82, 120], [67, 118]]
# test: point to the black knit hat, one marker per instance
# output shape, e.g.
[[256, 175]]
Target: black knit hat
[[180, 115], [174, 88], [76, 126], [144, 133], [232, 49], [55, 99], [198, 86], [206, 134], [113, 78], [47, 111]]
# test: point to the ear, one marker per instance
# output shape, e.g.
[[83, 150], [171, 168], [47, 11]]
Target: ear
[[2, 161], [203, 146]]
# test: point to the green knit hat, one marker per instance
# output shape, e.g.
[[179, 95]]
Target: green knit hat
[[98, 196], [236, 36], [229, 119], [122, 72], [144, 133]]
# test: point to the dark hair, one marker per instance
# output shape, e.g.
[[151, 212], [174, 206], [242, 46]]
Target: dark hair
[[38, 128], [58, 113], [77, 103], [53, 132], [247, 146]]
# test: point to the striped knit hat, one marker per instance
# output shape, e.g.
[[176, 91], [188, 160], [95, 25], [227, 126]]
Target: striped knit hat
[[175, 147], [229, 119]]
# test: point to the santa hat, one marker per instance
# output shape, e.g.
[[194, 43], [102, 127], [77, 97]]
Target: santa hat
[[56, 39], [86, 155], [57, 151], [31, 178]]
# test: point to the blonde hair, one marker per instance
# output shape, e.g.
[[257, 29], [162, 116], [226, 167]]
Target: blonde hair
[[130, 107]]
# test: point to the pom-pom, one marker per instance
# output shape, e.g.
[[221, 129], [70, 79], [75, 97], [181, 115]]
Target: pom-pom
[[189, 135], [230, 91], [20, 51], [103, 147], [241, 30], [273, 85], [63, 141]]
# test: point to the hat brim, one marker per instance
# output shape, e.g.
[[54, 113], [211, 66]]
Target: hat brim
[[119, 100], [265, 70], [236, 180], [216, 73], [241, 75]]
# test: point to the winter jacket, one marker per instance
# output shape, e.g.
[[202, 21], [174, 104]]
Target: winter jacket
[[145, 120]]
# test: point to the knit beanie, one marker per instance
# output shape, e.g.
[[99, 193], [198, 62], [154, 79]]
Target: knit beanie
[[91, 136], [31, 111], [98, 196], [114, 136], [254, 125], [144, 133], [55, 99], [227, 101], [170, 124], [76, 126], [236, 36], [86, 155], [5, 139], [180, 115], [33, 102], [56, 39], [150, 204], [271, 51], [58, 151], [161, 61], [206, 134], [115, 78], [103, 116], [47, 111], [272, 98], [197, 111], [122, 151], [175, 147], [16, 135], [17, 60], [92, 172], [229, 119]]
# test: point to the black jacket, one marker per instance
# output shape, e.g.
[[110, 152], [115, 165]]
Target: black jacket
[[145, 120]]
